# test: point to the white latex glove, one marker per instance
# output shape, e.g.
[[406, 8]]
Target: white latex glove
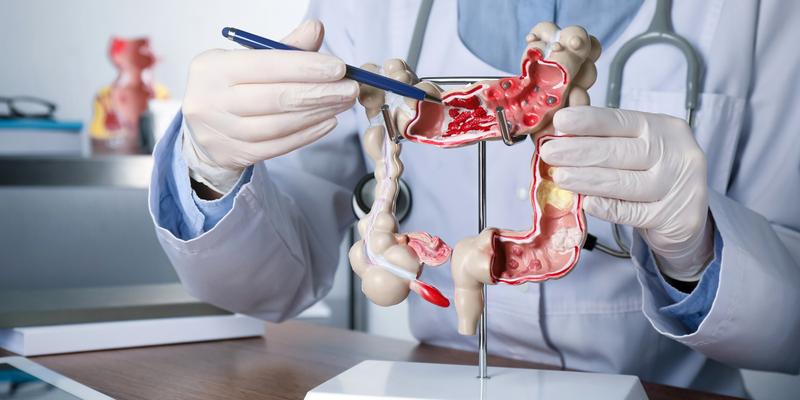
[[639, 169], [245, 106]]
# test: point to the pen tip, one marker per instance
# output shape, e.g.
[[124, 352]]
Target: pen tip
[[431, 99], [227, 32]]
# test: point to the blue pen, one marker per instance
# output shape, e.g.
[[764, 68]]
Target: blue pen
[[252, 41]]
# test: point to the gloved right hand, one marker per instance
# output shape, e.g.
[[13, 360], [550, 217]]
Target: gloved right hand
[[246, 106]]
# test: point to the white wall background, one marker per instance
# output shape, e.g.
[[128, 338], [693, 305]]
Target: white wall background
[[58, 50]]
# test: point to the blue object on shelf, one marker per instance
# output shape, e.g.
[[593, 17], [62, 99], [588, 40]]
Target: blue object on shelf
[[41, 124]]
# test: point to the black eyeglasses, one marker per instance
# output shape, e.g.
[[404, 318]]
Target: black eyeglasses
[[25, 107]]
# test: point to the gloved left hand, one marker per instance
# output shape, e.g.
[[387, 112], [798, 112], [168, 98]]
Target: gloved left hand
[[639, 169]]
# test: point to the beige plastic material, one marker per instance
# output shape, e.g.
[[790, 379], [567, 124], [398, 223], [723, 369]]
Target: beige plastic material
[[388, 262]]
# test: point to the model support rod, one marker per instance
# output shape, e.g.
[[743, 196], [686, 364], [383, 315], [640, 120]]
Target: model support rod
[[482, 334]]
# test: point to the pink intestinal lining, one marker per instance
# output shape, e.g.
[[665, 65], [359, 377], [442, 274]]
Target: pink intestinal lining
[[468, 116]]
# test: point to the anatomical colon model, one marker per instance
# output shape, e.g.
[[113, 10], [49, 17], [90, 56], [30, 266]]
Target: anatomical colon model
[[557, 70]]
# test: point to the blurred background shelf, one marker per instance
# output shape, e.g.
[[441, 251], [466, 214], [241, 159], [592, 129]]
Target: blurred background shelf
[[42, 136], [129, 171], [23, 308]]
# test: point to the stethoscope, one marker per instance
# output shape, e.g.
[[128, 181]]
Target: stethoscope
[[660, 31]]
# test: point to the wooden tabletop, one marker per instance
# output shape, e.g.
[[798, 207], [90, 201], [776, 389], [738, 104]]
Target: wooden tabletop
[[293, 358]]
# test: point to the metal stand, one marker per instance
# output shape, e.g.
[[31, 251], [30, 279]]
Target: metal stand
[[509, 141], [482, 367]]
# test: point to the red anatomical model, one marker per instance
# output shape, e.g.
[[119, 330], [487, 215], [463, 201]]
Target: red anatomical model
[[115, 128]]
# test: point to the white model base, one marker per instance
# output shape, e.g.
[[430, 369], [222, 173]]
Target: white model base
[[405, 380]]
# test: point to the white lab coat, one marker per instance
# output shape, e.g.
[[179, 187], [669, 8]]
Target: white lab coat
[[275, 253]]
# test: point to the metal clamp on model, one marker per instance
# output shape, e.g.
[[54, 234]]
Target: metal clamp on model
[[503, 125]]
